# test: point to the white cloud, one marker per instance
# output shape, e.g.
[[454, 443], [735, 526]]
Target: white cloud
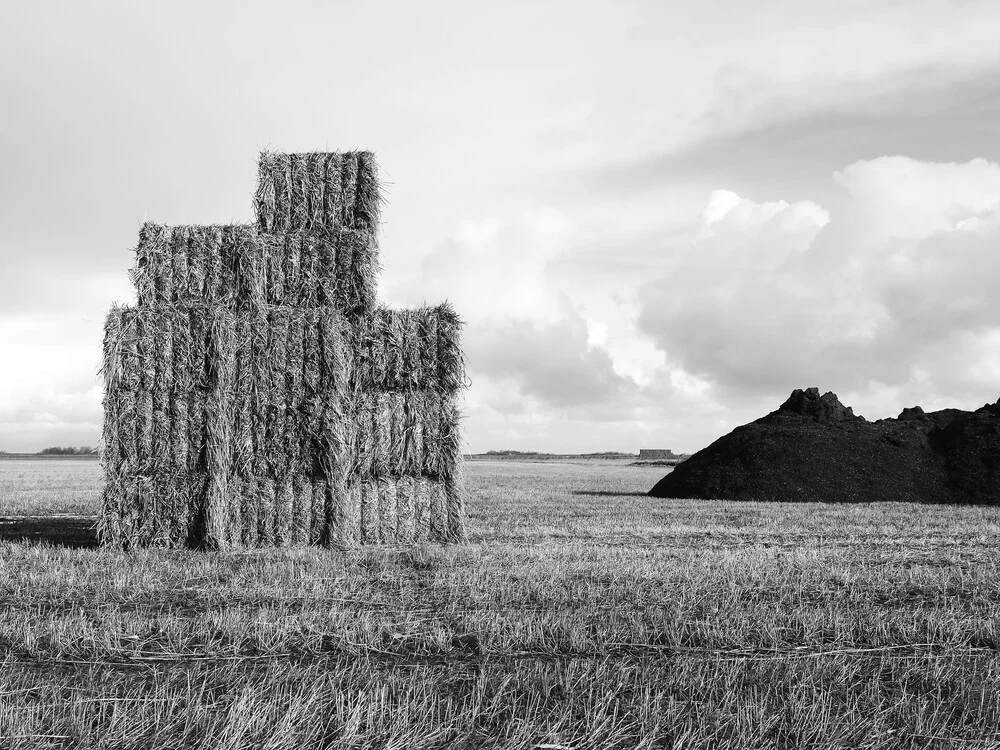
[[887, 298]]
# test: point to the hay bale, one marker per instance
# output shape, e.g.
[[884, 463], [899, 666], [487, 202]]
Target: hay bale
[[317, 513], [310, 191], [163, 360], [421, 510], [220, 372], [145, 334], [258, 395], [197, 358], [283, 509], [437, 510], [450, 361], [388, 512], [405, 509], [371, 515]]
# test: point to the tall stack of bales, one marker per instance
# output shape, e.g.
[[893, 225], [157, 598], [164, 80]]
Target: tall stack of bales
[[257, 395]]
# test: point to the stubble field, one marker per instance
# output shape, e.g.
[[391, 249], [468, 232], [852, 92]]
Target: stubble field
[[580, 614]]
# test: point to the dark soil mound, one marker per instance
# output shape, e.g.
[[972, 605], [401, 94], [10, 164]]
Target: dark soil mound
[[813, 448]]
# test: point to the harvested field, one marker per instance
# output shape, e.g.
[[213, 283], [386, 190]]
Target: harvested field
[[579, 612]]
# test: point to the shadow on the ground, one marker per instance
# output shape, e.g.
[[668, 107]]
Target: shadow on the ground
[[64, 531], [607, 493]]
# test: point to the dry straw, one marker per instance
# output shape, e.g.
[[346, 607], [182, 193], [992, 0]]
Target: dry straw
[[258, 396]]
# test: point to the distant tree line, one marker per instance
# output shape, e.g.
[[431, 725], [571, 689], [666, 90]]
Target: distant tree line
[[83, 450]]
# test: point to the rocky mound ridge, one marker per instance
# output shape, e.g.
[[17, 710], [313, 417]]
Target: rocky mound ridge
[[813, 448]]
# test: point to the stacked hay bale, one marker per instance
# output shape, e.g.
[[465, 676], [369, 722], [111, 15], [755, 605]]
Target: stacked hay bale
[[256, 395]]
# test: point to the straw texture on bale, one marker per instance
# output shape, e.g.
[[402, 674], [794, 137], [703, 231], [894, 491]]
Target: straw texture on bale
[[227, 414], [257, 395], [403, 350], [314, 192], [236, 266]]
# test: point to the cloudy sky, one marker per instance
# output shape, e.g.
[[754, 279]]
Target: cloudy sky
[[658, 218]]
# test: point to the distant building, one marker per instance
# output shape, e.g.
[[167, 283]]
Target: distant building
[[650, 454]]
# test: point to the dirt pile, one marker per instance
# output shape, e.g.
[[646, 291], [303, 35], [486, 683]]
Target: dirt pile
[[813, 448]]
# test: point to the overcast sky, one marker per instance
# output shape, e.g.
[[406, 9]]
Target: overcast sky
[[658, 218]]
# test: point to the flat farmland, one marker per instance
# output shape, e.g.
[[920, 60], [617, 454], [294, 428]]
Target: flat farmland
[[579, 614]]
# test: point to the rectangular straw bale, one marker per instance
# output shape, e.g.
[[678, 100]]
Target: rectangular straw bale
[[233, 522], [451, 438], [316, 180], [300, 190], [365, 268], [335, 438], [349, 187], [388, 511], [412, 434], [368, 197], [312, 398], [411, 365], [363, 421], [311, 269], [455, 507], [317, 191], [293, 269], [260, 387], [396, 433], [194, 513], [431, 434], [145, 332], [317, 510], [346, 296], [294, 391], [238, 256], [437, 510], [301, 510], [220, 374], [196, 264], [109, 524], [421, 510], [368, 356], [405, 510], [211, 239], [283, 511], [243, 427], [179, 239], [145, 511], [265, 199], [381, 441], [196, 409], [282, 192], [277, 389], [354, 496], [111, 370], [245, 269], [333, 198], [389, 333], [274, 251], [327, 264], [163, 348], [427, 344], [249, 499], [371, 511], [451, 365], [151, 275], [181, 392], [266, 512]]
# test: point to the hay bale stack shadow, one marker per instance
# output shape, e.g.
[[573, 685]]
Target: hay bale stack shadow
[[79, 532], [257, 394]]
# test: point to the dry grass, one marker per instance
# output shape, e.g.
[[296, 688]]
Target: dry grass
[[580, 613]]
